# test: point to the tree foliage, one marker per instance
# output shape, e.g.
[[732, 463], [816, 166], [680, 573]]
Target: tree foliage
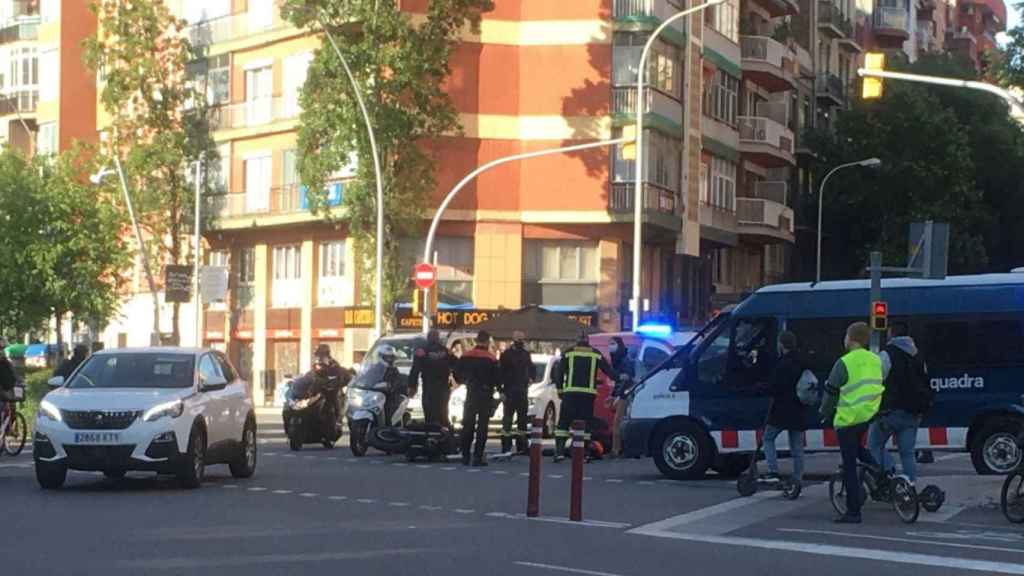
[[948, 155], [400, 64], [62, 241], [159, 123]]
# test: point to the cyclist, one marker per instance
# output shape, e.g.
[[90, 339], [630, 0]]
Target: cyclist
[[8, 379]]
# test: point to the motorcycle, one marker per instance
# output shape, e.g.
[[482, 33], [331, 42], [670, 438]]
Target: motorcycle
[[375, 409], [309, 417]]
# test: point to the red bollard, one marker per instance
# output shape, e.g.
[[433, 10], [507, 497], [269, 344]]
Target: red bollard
[[536, 445], [576, 495]]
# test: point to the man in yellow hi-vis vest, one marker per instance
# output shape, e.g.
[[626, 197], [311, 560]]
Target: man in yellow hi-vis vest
[[853, 394], [576, 379]]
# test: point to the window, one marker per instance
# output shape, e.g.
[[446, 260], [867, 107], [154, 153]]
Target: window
[[225, 368], [559, 261], [821, 341], [712, 361], [664, 161], [259, 85], [217, 258], [193, 11], [261, 14], [49, 10], [651, 359], [50, 82], [332, 259], [47, 139], [1000, 342], [664, 71], [218, 80], [724, 19], [287, 262], [289, 167], [455, 259], [753, 352], [296, 68], [220, 177], [247, 265], [704, 189], [721, 98], [723, 184], [257, 183], [209, 370]]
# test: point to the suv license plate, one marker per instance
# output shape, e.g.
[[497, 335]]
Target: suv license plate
[[97, 438]]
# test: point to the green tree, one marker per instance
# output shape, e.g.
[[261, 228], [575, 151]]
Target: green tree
[[63, 242], [401, 64], [159, 123], [928, 153]]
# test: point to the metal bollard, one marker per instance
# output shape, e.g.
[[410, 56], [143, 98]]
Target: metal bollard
[[576, 495], [536, 446]]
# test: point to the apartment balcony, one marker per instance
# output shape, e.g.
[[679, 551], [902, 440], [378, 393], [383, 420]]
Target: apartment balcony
[[254, 113], [891, 24], [775, 190], [718, 225], [19, 102], [279, 200], [832, 22], [24, 8], [764, 221], [779, 8], [766, 142], [231, 27], [768, 63], [645, 15], [661, 206], [829, 88], [655, 102], [23, 30]]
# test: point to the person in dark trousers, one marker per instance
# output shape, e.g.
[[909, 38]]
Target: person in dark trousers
[[478, 370], [433, 364], [904, 402], [622, 364], [786, 412], [329, 373], [577, 387], [68, 366], [517, 373], [853, 394]]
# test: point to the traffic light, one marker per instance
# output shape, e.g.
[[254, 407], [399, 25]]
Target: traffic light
[[879, 315], [432, 305], [629, 148], [872, 87], [417, 302]]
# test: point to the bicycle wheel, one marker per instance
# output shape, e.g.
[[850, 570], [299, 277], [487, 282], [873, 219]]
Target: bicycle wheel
[[1012, 499], [904, 500], [837, 493], [15, 435]]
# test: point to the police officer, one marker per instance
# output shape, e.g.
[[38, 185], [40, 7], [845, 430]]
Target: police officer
[[433, 362], [517, 372], [853, 394], [576, 380], [478, 370]]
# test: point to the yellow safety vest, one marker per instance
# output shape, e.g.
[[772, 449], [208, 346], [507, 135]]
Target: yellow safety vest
[[861, 396], [585, 355]]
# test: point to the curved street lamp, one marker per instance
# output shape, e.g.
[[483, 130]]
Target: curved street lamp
[[868, 163]]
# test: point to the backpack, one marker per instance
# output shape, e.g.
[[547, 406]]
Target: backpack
[[918, 395], [807, 389]]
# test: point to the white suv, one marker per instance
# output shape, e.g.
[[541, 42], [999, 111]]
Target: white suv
[[164, 410]]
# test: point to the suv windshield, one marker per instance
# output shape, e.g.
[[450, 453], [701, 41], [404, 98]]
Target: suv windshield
[[135, 371]]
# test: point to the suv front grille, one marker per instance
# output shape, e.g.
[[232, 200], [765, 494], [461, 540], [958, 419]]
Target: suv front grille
[[99, 457], [99, 419]]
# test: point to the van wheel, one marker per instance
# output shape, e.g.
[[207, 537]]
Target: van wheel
[[995, 449], [683, 451]]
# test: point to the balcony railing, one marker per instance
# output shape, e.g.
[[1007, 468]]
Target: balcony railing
[[24, 8], [627, 8], [830, 15], [624, 100], [758, 212], [19, 101], [257, 112], [890, 18], [766, 50], [656, 198], [831, 86], [20, 31], [776, 191], [765, 131], [227, 28]]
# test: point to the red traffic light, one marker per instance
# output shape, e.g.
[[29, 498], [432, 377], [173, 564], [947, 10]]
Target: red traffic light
[[880, 309]]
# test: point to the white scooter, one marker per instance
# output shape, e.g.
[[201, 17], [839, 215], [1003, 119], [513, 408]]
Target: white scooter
[[375, 405]]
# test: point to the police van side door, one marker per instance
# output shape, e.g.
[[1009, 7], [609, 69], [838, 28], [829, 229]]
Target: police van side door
[[734, 375]]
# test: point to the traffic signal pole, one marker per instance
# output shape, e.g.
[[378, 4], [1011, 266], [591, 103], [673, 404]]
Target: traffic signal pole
[[1016, 106]]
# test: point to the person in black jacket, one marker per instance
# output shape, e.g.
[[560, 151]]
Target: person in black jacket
[[577, 387], [433, 363], [904, 402], [622, 364], [517, 373], [478, 370], [786, 412]]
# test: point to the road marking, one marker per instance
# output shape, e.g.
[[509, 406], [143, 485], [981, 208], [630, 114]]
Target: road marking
[[613, 481], [448, 468], [257, 489], [309, 494], [952, 457], [337, 498], [431, 508], [353, 460], [554, 568], [308, 457], [995, 536], [230, 486], [668, 524], [282, 491], [399, 464], [645, 483], [524, 474], [423, 466], [586, 478], [945, 514], [26, 465], [366, 500], [555, 476], [499, 472], [332, 458], [472, 470], [376, 461], [270, 453], [463, 511], [554, 520], [398, 504], [289, 455], [907, 540], [180, 564]]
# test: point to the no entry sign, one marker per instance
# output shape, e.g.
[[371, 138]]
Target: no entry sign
[[424, 275]]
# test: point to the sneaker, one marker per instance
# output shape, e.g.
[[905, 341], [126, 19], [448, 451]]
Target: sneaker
[[770, 478], [479, 462], [846, 519]]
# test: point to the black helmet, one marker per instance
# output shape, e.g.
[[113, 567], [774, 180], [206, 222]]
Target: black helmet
[[322, 350]]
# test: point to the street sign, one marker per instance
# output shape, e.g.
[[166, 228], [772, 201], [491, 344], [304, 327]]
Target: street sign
[[213, 283], [177, 283], [424, 275]]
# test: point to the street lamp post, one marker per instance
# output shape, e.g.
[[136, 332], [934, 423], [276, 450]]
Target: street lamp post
[[378, 309], [196, 247], [154, 338], [639, 162], [868, 163]]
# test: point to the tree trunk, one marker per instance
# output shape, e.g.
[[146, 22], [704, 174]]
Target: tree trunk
[[59, 356]]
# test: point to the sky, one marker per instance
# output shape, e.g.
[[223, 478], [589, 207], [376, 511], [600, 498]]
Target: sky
[[1012, 15]]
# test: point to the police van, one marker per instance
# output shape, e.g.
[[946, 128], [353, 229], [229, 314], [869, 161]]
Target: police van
[[705, 406]]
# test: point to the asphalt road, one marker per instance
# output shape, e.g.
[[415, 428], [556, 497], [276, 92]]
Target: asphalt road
[[323, 510]]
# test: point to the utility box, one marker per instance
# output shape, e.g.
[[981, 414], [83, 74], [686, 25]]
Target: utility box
[[929, 248]]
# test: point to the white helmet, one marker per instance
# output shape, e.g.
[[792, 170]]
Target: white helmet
[[386, 353]]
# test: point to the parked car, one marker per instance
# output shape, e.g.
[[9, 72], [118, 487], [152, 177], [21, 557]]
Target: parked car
[[165, 410], [543, 396]]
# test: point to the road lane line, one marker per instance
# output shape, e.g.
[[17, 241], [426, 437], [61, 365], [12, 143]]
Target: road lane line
[[934, 542], [230, 486], [703, 513], [945, 514], [180, 564], [568, 569], [555, 520], [463, 511], [448, 468], [282, 491], [555, 476], [309, 494], [366, 500], [952, 456], [499, 472], [431, 508], [257, 489], [337, 498], [423, 466], [398, 504], [613, 481]]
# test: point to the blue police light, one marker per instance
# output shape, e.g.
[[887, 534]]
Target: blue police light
[[662, 330]]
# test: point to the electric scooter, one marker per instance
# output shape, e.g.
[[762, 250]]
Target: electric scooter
[[749, 483]]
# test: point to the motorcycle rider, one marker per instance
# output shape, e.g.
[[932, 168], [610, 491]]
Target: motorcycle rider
[[577, 387], [479, 371], [517, 373], [326, 368], [433, 362]]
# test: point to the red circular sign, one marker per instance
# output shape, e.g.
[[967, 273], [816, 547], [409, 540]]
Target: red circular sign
[[424, 275]]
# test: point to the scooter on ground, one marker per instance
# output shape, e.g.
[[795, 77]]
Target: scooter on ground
[[309, 416], [375, 408], [750, 482]]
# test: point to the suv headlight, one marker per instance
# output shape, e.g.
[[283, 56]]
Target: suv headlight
[[48, 410], [173, 409]]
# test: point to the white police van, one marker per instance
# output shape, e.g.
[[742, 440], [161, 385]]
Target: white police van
[[705, 406]]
